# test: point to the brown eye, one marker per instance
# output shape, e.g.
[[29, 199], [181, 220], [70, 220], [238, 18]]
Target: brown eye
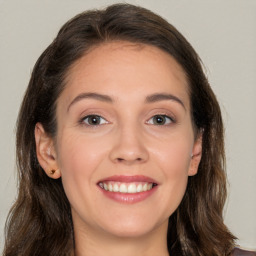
[[160, 120], [94, 120]]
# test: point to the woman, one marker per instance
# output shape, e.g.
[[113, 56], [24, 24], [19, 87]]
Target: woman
[[119, 144]]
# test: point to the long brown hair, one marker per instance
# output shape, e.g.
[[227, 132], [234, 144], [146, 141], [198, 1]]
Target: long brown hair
[[40, 221]]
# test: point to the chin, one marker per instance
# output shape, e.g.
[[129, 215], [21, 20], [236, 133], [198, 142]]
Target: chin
[[132, 227]]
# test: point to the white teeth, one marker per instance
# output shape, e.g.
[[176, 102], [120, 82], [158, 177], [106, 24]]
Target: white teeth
[[123, 188], [134, 187], [139, 188], [116, 188], [105, 186]]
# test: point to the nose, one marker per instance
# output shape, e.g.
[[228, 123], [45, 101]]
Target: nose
[[129, 148]]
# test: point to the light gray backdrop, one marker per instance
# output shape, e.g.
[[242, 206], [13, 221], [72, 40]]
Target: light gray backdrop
[[222, 31]]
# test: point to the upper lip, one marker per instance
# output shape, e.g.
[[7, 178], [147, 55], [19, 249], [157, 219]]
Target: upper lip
[[127, 179]]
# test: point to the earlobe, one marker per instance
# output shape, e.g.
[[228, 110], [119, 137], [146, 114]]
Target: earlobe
[[54, 174], [45, 152], [196, 155]]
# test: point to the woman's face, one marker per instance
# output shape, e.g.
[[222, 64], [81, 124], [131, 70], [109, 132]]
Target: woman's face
[[125, 139]]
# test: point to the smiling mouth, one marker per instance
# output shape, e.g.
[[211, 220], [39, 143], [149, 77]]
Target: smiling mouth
[[124, 187]]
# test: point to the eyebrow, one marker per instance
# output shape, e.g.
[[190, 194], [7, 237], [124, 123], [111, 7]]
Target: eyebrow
[[163, 96], [90, 95], [105, 98]]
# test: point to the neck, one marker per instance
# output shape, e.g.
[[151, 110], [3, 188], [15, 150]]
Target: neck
[[90, 243]]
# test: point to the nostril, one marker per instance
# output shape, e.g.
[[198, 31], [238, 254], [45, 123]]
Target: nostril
[[119, 159]]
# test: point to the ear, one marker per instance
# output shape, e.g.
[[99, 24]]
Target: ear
[[46, 153], [196, 155]]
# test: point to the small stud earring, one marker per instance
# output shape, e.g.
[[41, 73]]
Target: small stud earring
[[52, 172]]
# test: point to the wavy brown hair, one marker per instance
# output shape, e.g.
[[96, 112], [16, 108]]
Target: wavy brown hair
[[40, 221]]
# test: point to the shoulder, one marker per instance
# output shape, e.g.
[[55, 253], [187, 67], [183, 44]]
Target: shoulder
[[240, 252]]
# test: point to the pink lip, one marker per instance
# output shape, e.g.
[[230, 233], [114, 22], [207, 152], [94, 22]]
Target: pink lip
[[129, 198]]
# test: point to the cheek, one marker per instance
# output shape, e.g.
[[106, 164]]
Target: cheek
[[174, 155], [174, 159], [78, 158], [78, 153]]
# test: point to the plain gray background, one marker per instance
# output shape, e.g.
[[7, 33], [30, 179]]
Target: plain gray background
[[223, 32]]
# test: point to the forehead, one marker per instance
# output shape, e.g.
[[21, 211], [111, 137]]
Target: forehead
[[124, 67]]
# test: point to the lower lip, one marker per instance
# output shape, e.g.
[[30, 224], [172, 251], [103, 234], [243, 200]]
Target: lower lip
[[129, 198]]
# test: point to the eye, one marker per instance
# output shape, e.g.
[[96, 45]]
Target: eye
[[160, 120], [94, 120]]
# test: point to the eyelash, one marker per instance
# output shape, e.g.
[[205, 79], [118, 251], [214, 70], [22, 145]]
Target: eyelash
[[167, 120]]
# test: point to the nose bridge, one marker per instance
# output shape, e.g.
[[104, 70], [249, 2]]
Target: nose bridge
[[129, 146]]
